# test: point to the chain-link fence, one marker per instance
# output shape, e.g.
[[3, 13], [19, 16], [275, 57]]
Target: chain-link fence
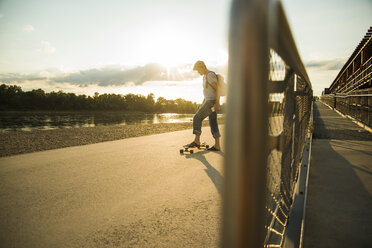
[[288, 128]]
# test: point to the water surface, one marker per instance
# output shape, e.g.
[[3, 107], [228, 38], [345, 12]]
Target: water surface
[[27, 121]]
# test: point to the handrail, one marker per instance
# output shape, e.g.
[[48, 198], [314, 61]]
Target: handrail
[[365, 41], [283, 43], [349, 83], [368, 60]]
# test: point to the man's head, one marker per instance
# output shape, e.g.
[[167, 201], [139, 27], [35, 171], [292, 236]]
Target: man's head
[[200, 67]]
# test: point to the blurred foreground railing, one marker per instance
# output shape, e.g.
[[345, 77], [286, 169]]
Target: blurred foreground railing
[[268, 112], [357, 104]]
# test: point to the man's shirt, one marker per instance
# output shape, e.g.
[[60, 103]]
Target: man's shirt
[[208, 91]]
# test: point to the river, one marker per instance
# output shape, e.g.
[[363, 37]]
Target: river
[[27, 121]]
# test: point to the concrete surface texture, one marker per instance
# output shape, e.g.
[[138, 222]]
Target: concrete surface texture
[[137, 192], [338, 212]]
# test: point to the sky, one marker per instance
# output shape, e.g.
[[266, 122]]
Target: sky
[[147, 46], [113, 46], [326, 33]]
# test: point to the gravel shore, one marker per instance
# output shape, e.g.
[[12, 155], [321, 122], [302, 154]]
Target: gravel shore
[[13, 143]]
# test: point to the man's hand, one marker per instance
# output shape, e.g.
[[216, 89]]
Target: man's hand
[[216, 106]]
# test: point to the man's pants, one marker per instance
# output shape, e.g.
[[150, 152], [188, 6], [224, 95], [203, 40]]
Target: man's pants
[[206, 111]]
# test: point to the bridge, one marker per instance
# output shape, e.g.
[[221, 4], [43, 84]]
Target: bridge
[[351, 91], [298, 174]]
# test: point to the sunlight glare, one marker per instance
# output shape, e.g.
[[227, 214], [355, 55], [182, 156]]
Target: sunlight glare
[[167, 45]]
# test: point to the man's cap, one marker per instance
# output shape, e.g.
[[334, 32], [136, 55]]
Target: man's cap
[[199, 64]]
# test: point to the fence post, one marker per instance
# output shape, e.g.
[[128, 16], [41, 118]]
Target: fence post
[[246, 126], [369, 102], [334, 101]]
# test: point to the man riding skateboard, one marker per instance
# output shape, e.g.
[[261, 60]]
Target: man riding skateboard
[[209, 107]]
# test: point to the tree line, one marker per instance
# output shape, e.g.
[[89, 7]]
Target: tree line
[[12, 97]]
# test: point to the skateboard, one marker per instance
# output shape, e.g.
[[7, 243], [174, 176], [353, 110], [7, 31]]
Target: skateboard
[[190, 150]]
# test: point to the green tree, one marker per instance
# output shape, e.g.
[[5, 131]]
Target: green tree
[[12, 97]]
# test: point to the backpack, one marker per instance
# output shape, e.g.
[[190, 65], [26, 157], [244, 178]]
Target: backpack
[[221, 83]]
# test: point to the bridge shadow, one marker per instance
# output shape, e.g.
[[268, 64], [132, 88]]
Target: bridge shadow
[[350, 147], [339, 196], [213, 174]]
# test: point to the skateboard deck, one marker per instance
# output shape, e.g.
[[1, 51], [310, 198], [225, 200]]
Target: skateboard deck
[[190, 150]]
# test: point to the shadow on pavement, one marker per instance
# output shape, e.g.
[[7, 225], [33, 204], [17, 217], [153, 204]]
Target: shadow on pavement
[[212, 173], [352, 149], [339, 202]]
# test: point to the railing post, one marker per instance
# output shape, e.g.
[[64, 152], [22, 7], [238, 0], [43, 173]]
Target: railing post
[[369, 108], [369, 102], [246, 126], [334, 101]]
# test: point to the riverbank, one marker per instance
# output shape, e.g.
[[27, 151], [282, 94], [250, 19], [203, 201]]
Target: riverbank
[[14, 143]]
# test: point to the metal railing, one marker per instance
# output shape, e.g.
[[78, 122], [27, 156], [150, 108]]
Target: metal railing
[[351, 91], [358, 78], [268, 112], [357, 104], [357, 71]]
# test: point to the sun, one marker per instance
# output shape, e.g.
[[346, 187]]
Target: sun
[[173, 45], [167, 45]]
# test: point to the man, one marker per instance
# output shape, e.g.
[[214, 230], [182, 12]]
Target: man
[[210, 106]]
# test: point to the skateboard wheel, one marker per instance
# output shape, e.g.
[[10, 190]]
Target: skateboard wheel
[[181, 151], [191, 151]]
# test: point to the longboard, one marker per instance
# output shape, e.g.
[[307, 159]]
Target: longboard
[[190, 150]]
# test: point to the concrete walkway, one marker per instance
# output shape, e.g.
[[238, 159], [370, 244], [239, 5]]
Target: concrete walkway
[[339, 203], [137, 192]]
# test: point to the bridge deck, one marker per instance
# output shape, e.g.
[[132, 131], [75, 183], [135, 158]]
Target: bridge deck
[[339, 203]]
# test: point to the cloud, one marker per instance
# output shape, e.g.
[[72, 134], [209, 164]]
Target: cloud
[[106, 76], [10, 78], [46, 47], [326, 65], [28, 28], [1, 15], [115, 75]]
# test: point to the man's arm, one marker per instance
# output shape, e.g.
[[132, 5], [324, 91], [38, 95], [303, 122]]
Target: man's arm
[[218, 95], [215, 86]]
